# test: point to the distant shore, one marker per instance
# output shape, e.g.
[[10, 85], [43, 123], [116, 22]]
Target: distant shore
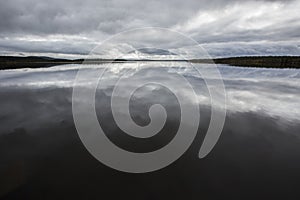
[[264, 61], [14, 62]]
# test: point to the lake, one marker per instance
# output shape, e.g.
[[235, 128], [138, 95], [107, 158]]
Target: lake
[[257, 154]]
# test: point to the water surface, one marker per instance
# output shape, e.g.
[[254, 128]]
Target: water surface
[[257, 156]]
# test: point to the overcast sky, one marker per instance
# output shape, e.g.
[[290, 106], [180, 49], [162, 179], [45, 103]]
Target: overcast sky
[[223, 27]]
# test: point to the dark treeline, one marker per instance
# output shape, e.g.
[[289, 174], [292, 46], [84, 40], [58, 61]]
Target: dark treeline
[[12, 62], [262, 61]]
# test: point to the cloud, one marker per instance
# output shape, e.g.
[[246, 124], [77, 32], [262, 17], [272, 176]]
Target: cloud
[[75, 27]]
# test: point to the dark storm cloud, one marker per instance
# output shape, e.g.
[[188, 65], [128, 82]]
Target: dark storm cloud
[[44, 17], [24, 23]]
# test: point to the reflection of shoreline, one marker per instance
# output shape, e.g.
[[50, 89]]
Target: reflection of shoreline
[[12, 62]]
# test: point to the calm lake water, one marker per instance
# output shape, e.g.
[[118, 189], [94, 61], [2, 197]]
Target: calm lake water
[[257, 155]]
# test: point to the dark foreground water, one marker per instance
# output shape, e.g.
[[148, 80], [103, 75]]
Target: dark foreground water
[[256, 157]]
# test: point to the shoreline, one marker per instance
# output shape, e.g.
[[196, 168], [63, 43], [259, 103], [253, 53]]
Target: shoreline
[[14, 62]]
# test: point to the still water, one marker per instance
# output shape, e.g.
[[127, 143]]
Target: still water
[[257, 155]]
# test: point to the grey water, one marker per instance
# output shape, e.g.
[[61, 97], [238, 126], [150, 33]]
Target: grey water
[[257, 155]]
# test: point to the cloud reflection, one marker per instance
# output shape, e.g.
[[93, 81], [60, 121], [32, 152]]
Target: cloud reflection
[[257, 154]]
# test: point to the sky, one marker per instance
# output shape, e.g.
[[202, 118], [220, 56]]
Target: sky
[[222, 27]]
